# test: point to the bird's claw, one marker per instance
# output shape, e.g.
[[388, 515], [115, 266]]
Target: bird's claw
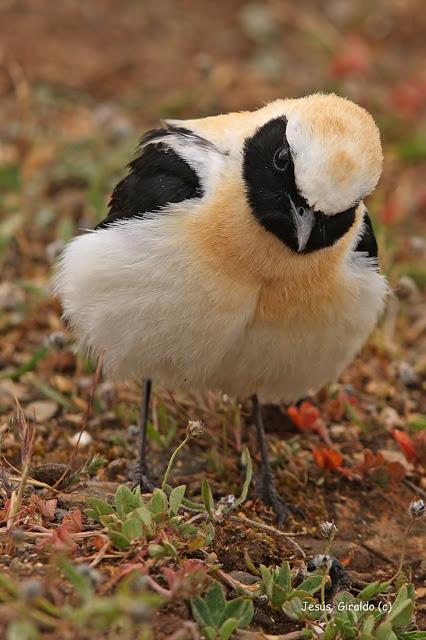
[[271, 497], [142, 480]]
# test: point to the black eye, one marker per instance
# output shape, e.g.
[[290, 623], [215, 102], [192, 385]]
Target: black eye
[[281, 159]]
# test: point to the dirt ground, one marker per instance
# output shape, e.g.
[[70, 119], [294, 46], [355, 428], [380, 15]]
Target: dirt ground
[[79, 83]]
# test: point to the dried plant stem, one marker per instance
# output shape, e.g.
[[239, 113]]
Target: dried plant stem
[[85, 420], [171, 461], [403, 550], [323, 581], [27, 433]]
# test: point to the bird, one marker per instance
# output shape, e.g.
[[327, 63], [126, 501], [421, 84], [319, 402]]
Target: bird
[[237, 254]]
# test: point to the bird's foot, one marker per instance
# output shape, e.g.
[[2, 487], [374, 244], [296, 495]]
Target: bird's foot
[[141, 479], [270, 496]]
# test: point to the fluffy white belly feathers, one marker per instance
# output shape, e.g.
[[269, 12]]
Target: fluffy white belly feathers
[[138, 291]]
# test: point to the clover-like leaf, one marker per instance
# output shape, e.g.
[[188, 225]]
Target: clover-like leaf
[[372, 590], [125, 500], [119, 540], [228, 628], [401, 614], [132, 528], [310, 585], [158, 503], [175, 498], [207, 496], [385, 632]]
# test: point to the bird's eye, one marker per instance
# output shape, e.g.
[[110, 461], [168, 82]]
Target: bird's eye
[[281, 159]]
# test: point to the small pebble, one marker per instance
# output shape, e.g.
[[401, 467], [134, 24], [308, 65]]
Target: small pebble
[[81, 441], [407, 374], [406, 288]]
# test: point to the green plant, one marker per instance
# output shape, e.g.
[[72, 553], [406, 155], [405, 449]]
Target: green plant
[[219, 618], [28, 611], [276, 583], [131, 518], [357, 618]]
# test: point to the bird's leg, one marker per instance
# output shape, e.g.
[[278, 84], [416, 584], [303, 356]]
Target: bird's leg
[[142, 476], [269, 492]]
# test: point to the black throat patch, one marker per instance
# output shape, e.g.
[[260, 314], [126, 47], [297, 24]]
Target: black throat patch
[[268, 191]]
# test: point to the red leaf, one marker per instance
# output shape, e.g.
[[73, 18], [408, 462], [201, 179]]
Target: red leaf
[[409, 98], [391, 211], [74, 521], [305, 416], [406, 444], [47, 508], [60, 539], [98, 542], [353, 58], [327, 459]]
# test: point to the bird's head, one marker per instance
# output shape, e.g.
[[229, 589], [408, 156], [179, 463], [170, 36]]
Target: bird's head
[[308, 166]]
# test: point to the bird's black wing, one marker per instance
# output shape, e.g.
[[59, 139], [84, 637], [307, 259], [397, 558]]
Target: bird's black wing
[[367, 242], [157, 176]]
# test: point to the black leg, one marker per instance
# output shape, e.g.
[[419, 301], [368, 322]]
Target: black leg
[[142, 475], [269, 493]]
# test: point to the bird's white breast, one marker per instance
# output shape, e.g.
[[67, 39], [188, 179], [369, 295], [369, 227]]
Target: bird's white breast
[[137, 291]]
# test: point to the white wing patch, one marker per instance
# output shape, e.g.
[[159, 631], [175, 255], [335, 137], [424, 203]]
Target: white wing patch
[[203, 157]]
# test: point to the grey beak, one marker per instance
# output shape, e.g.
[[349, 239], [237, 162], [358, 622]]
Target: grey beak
[[304, 220]]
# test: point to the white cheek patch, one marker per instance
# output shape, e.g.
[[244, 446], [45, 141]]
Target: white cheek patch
[[332, 170]]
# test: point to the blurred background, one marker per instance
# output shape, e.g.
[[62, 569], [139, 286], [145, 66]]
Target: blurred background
[[80, 81]]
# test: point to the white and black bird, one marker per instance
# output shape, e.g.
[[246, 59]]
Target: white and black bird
[[237, 255]]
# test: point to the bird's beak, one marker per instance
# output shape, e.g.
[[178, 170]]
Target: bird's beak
[[304, 220]]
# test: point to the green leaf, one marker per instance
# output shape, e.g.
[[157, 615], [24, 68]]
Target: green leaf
[[246, 461], [158, 503], [385, 632], [201, 613], [29, 365], [372, 590], [170, 549], [7, 584], [310, 585], [228, 628], [125, 501], [80, 582], [22, 630], [330, 632], [278, 596], [144, 515], [250, 564], [110, 520], [400, 615], [210, 633], [207, 496], [101, 507], [175, 498], [157, 551], [247, 613], [368, 625], [119, 540], [267, 580], [412, 635], [10, 177], [132, 528], [296, 609], [239, 608], [407, 591], [216, 603], [284, 577]]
